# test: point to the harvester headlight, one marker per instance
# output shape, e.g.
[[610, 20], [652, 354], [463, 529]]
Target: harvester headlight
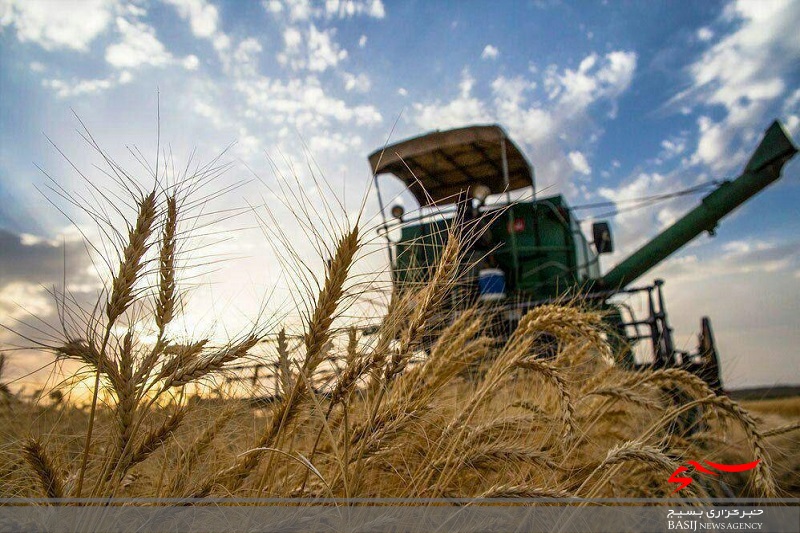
[[481, 192], [398, 211]]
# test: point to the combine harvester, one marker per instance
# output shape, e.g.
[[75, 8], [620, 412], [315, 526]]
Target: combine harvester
[[533, 252]]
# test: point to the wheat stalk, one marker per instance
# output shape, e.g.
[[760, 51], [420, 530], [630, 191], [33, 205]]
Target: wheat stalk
[[189, 458], [120, 297]]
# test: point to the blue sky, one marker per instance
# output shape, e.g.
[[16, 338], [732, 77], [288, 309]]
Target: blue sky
[[610, 101]]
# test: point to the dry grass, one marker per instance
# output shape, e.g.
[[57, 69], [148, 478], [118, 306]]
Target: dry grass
[[786, 407], [474, 418]]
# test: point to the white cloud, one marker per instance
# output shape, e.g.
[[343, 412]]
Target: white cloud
[[510, 92], [305, 10], [202, 16], [549, 129], [336, 143], [466, 84], [221, 42], [190, 62], [301, 103], [592, 81], [315, 50], [244, 60], [490, 52], [63, 24], [402, 91], [68, 89], [323, 51], [206, 110], [793, 125], [743, 74], [672, 147], [135, 11], [359, 83], [376, 9], [299, 10], [351, 8], [204, 21], [465, 109], [362, 41], [712, 142], [745, 256], [273, 6], [20, 300], [628, 223], [791, 103], [579, 163], [138, 46], [705, 34], [791, 113], [27, 239], [292, 38]]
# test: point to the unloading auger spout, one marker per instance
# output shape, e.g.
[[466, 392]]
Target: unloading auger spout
[[764, 167]]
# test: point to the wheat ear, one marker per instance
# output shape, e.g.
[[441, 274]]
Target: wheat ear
[[316, 337], [165, 306], [130, 265], [37, 458], [551, 373], [780, 430], [284, 368]]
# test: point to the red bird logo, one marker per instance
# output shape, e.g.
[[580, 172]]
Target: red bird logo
[[684, 482]]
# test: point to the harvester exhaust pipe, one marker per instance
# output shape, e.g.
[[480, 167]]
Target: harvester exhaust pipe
[[764, 167]]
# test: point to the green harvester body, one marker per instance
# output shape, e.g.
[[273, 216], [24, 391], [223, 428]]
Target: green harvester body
[[538, 243]]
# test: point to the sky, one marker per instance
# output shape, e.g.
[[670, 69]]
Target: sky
[[610, 101]]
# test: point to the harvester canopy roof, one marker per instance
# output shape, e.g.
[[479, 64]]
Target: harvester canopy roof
[[437, 166]]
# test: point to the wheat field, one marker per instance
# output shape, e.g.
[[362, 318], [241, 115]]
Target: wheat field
[[398, 416]]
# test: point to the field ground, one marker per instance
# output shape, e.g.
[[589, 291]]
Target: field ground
[[244, 424], [788, 408], [765, 393]]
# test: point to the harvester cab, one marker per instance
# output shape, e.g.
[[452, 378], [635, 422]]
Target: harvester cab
[[529, 250]]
